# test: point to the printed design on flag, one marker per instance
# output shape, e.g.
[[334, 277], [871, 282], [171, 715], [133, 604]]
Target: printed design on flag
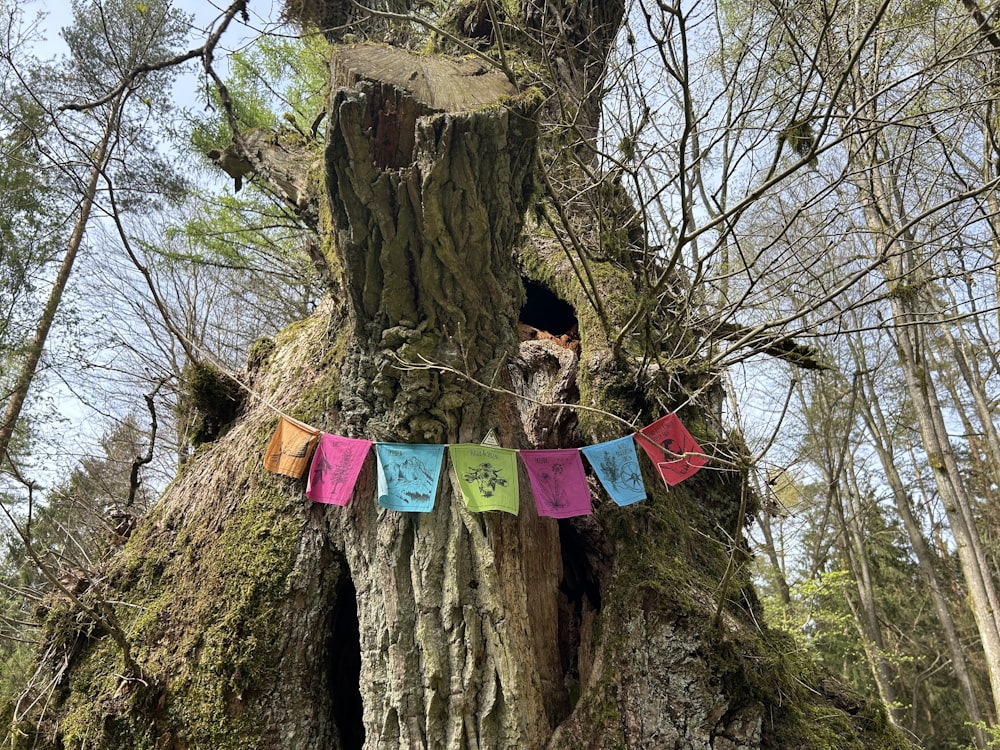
[[415, 477], [324, 471], [408, 475], [335, 468], [288, 451], [617, 467], [291, 450], [555, 493], [672, 449], [487, 477], [621, 472], [558, 482]]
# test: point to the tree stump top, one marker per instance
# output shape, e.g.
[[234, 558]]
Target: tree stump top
[[441, 84]]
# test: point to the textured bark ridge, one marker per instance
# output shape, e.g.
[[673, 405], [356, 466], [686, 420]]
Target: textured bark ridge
[[426, 206], [428, 176]]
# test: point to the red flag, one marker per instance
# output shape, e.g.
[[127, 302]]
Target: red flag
[[665, 442]]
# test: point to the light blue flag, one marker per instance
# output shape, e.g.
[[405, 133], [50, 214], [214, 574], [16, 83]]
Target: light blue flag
[[408, 475], [617, 467]]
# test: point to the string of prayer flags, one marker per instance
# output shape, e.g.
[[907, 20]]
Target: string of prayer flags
[[617, 467], [290, 447], [669, 433], [558, 482], [487, 477], [335, 468], [408, 475]]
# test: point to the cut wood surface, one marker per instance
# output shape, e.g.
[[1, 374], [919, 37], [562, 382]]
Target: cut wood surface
[[441, 84]]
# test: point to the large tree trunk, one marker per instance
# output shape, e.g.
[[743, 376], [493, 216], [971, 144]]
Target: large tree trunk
[[262, 620]]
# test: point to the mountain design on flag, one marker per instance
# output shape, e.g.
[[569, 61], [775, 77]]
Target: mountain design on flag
[[412, 470], [408, 475]]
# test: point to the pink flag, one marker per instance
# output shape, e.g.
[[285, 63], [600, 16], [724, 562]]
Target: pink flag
[[558, 482], [335, 468], [666, 442]]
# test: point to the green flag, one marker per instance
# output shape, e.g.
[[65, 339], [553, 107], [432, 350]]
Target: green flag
[[487, 476]]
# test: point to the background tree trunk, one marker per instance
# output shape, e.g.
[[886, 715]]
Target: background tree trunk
[[882, 440]]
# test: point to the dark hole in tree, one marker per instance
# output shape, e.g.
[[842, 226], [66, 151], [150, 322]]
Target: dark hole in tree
[[345, 667], [545, 311], [579, 603]]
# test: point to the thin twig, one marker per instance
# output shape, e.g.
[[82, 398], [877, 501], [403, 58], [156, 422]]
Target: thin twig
[[426, 364], [139, 461]]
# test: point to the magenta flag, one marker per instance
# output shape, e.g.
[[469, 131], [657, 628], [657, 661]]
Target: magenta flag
[[335, 468], [670, 446], [558, 482]]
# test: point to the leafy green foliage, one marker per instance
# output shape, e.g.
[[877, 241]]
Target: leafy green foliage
[[110, 39], [80, 517], [71, 532], [27, 240], [992, 736], [274, 75], [823, 618]]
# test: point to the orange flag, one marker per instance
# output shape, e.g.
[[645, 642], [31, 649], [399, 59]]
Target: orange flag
[[290, 447]]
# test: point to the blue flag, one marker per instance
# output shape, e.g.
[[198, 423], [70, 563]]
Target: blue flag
[[408, 475], [617, 466]]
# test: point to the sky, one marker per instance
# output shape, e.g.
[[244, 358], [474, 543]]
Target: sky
[[56, 14], [82, 424]]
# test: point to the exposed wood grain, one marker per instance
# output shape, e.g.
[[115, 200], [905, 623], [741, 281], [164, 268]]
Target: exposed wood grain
[[438, 83]]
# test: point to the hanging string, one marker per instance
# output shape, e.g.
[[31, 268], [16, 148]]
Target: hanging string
[[429, 365]]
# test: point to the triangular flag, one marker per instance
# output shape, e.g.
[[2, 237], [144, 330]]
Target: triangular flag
[[558, 482], [487, 477], [335, 467], [290, 447], [669, 433], [617, 467], [408, 475]]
